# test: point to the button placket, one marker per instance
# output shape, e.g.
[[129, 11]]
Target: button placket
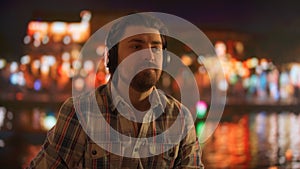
[[136, 148], [94, 152]]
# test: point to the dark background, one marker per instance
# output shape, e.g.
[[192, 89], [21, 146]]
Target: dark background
[[274, 24]]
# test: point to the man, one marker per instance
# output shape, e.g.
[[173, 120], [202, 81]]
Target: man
[[141, 119]]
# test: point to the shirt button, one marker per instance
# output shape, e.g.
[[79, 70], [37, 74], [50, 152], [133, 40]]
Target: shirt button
[[94, 152]]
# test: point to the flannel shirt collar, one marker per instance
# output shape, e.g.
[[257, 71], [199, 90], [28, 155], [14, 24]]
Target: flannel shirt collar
[[157, 98]]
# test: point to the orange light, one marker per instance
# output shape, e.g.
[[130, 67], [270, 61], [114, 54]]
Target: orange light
[[186, 60], [37, 27], [79, 32], [57, 30], [19, 96]]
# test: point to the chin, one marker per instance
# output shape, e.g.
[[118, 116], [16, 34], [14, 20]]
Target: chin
[[144, 81]]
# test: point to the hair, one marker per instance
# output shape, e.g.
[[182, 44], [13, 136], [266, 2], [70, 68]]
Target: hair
[[117, 30]]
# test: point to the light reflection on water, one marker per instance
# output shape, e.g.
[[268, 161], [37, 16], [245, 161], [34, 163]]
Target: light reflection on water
[[255, 140]]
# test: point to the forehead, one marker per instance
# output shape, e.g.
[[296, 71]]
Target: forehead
[[139, 31]]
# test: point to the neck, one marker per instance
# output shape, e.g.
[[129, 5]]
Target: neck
[[140, 100]]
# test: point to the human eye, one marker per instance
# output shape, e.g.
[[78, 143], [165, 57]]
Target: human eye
[[135, 46], [156, 49]]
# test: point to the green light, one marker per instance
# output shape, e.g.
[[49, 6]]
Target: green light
[[199, 128], [233, 79], [201, 109]]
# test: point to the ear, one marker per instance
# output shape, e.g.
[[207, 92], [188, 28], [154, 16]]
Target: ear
[[166, 58], [106, 60]]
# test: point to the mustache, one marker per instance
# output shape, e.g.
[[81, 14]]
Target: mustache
[[150, 65]]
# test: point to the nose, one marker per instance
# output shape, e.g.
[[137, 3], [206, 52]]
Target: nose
[[148, 54]]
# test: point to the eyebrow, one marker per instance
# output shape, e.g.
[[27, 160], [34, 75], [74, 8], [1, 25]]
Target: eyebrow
[[142, 41]]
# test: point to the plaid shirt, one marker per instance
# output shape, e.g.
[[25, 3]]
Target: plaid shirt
[[71, 144]]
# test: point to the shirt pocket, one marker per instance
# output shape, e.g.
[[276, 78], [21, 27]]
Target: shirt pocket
[[96, 152], [167, 158], [97, 156]]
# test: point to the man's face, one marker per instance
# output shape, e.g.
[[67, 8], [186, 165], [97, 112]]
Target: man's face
[[145, 50]]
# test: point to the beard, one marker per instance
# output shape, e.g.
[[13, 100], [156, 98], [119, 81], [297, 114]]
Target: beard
[[145, 79]]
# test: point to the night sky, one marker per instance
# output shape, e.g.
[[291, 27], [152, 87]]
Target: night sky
[[276, 23]]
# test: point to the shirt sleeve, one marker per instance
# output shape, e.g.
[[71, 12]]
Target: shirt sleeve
[[189, 156], [64, 144], [189, 153]]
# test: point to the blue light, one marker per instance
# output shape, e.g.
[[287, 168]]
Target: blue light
[[14, 79], [37, 85], [49, 121]]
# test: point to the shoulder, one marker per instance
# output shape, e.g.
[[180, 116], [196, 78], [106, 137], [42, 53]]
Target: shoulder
[[67, 109], [94, 96], [77, 105], [175, 110], [174, 105]]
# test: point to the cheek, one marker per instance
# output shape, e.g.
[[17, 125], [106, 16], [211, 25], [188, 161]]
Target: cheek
[[120, 58], [122, 53], [159, 61]]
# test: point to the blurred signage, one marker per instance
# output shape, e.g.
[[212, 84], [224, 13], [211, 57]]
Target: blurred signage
[[78, 31]]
